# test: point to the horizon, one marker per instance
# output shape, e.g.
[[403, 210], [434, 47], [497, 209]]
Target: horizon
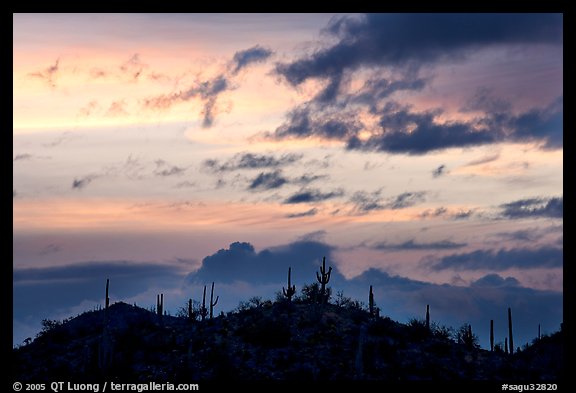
[[420, 153]]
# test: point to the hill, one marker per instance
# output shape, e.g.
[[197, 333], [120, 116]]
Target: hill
[[270, 341]]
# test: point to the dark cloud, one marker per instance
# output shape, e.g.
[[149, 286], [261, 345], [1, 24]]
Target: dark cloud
[[82, 182], [312, 195], [49, 74], [438, 212], [534, 207], [484, 160], [441, 170], [405, 42], [494, 280], [243, 58], [444, 212], [401, 40], [240, 262], [406, 199], [268, 181], [365, 202], [303, 122], [251, 161], [165, 169], [487, 298], [307, 213], [22, 157], [528, 235], [484, 100], [499, 260], [412, 245], [40, 293]]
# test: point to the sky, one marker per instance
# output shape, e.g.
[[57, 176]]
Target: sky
[[419, 153]]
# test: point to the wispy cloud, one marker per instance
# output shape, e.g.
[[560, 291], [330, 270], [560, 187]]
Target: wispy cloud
[[441, 170], [503, 259], [251, 161], [406, 199], [80, 183], [534, 207], [307, 213], [244, 58], [312, 195], [413, 245], [208, 90], [49, 74], [268, 181]]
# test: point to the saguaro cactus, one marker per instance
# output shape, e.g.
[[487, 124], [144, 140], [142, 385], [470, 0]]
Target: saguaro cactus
[[371, 307], [506, 345], [107, 298], [428, 317], [291, 288], [213, 303], [323, 279], [160, 304], [190, 311], [492, 335], [510, 331], [538, 332], [203, 309]]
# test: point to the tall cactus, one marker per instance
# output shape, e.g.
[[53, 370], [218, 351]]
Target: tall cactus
[[492, 335], [506, 345], [160, 304], [107, 298], [371, 301], [510, 331], [323, 279], [428, 317], [213, 303], [203, 309], [291, 288], [190, 311], [538, 332]]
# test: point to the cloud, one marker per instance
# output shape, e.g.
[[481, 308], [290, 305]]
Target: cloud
[[50, 249], [312, 195], [89, 109], [410, 40], [22, 157], [164, 169], [484, 100], [267, 181], [534, 207], [133, 67], [243, 58], [444, 212], [484, 160], [117, 108], [82, 182], [208, 90], [251, 161], [307, 213], [365, 202], [49, 74], [499, 260], [495, 281], [406, 199], [241, 262], [441, 170], [412, 245], [401, 44]]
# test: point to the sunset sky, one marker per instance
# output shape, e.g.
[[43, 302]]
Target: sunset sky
[[420, 153]]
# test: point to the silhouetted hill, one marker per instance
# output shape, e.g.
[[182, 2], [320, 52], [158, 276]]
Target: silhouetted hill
[[268, 341]]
